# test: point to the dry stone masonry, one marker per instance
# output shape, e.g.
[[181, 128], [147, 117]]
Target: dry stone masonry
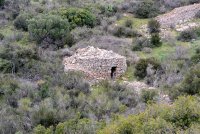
[[178, 16], [96, 64]]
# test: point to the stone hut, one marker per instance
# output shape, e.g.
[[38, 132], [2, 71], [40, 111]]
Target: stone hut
[[96, 64]]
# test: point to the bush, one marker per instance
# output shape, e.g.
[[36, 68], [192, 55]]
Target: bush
[[187, 35], [195, 59], [2, 3], [191, 83], [78, 17], [121, 31], [1, 36], [155, 40], [108, 10], [128, 23], [158, 118], [185, 113], [5, 66], [14, 57], [140, 43], [50, 28], [141, 67], [21, 22], [146, 9], [154, 26], [148, 95]]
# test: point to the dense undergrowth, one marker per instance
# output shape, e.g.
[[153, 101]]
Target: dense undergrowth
[[37, 96]]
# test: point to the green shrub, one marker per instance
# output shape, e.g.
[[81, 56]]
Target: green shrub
[[191, 83], [141, 67], [5, 66], [17, 56], [42, 130], [50, 28], [73, 126], [196, 58], [121, 31], [1, 36], [187, 35], [21, 22], [2, 3], [148, 95], [78, 17], [154, 26], [128, 23], [185, 112], [108, 10], [146, 9], [159, 119], [140, 43], [155, 40]]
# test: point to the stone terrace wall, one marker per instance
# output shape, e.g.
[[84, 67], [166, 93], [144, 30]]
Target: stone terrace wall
[[178, 15]]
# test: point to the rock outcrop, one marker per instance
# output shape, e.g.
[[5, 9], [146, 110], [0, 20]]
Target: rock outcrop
[[96, 64]]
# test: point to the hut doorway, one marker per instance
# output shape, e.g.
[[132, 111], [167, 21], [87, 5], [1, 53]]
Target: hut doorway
[[113, 72]]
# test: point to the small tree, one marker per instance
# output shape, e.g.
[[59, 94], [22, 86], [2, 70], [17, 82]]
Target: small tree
[[51, 28], [154, 26], [78, 17], [155, 40], [141, 67], [146, 9], [21, 22]]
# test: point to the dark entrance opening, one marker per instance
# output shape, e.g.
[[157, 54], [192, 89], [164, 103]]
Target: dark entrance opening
[[113, 72]]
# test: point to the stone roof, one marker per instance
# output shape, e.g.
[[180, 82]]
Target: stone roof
[[91, 52]]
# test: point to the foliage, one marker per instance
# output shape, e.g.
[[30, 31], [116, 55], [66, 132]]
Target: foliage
[[78, 17], [146, 9], [121, 31], [141, 67], [153, 26], [140, 43], [187, 35], [148, 95], [191, 83], [13, 57], [2, 3], [42, 130], [155, 40], [108, 10], [159, 119], [1, 36], [5, 66], [196, 57], [50, 28], [21, 22], [129, 23]]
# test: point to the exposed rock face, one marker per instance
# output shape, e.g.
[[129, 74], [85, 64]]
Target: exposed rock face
[[96, 63], [178, 15]]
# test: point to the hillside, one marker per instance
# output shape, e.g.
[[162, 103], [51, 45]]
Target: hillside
[[99, 66]]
